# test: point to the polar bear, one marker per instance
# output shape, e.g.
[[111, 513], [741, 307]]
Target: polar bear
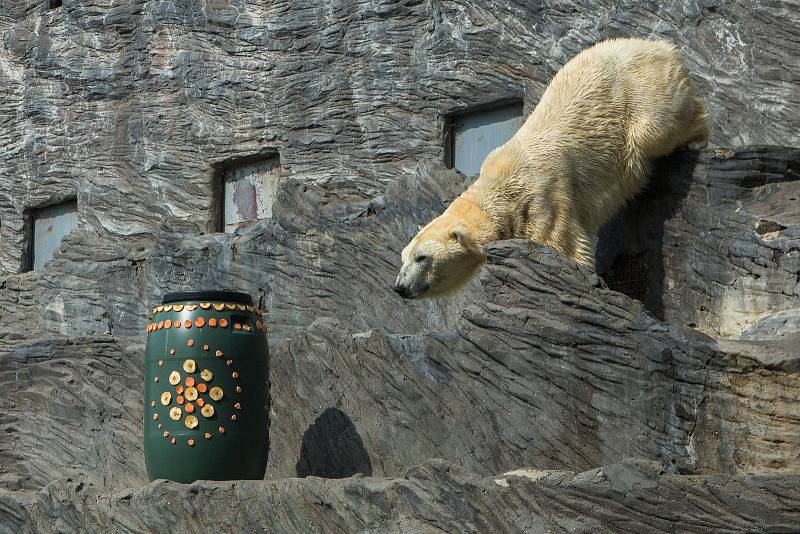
[[582, 154]]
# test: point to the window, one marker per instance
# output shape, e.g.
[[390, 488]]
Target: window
[[248, 191], [472, 135], [50, 225]]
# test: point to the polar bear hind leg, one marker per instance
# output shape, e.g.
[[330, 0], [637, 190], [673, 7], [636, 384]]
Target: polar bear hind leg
[[697, 134]]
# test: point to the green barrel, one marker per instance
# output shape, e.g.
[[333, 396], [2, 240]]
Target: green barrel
[[206, 393]]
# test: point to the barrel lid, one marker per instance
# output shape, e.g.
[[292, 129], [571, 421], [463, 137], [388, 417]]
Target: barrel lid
[[208, 296]]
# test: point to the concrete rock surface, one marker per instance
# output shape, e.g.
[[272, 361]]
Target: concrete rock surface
[[659, 394], [632, 496]]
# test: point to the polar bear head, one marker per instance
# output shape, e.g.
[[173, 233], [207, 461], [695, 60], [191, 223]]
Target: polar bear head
[[442, 258]]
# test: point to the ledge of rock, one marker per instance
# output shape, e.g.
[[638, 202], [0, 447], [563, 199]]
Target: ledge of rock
[[547, 370], [630, 496]]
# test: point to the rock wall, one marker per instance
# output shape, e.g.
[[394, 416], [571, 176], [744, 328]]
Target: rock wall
[[435, 497], [547, 370], [131, 106], [682, 353], [713, 243]]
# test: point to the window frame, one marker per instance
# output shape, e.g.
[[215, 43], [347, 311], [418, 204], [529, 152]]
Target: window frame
[[218, 182], [31, 215], [451, 120]]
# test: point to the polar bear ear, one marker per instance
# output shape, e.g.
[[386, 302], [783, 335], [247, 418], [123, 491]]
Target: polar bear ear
[[460, 236], [463, 238]]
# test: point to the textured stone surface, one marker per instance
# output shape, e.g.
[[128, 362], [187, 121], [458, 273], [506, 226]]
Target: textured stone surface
[[636, 497], [302, 264], [547, 370], [309, 262], [130, 105], [73, 408], [133, 107], [714, 243]]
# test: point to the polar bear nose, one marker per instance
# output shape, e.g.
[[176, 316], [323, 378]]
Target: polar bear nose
[[400, 290]]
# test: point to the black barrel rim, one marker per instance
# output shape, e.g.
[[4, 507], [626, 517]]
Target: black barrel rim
[[207, 296]]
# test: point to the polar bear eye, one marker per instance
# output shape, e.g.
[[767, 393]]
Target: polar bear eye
[[421, 258]]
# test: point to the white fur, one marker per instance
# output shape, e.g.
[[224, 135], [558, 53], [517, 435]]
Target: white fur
[[583, 153]]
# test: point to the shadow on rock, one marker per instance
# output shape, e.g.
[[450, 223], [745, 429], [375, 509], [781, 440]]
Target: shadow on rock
[[630, 253], [332, 448]]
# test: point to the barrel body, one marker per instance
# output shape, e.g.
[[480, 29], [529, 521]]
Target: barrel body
[[206, 389]]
